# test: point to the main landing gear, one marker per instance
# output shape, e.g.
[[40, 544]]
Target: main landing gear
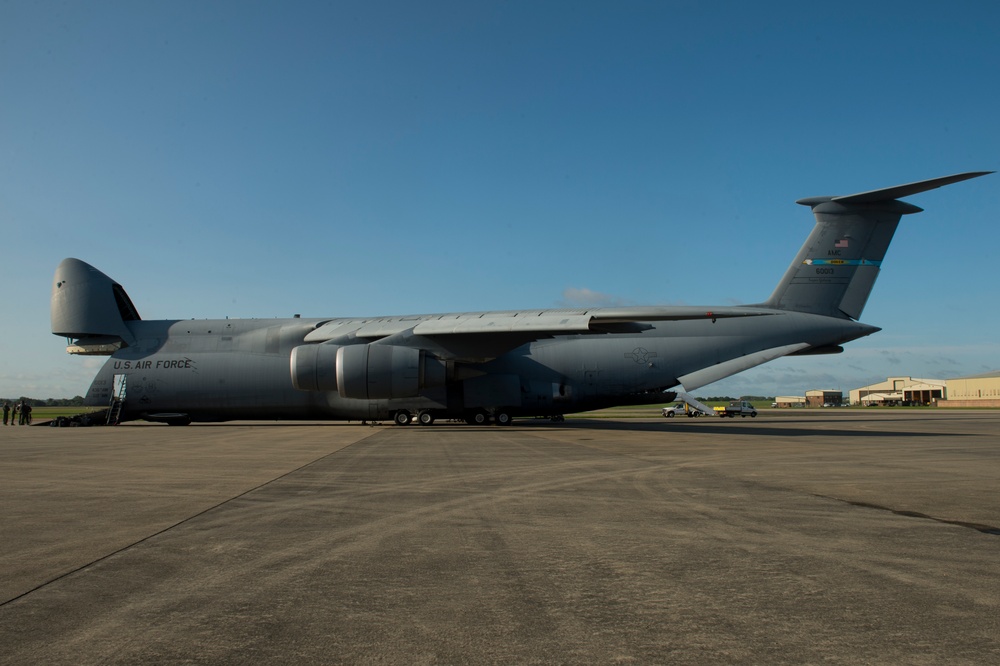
[[478, 417], [403, 417], [474, 417], [482, 417]]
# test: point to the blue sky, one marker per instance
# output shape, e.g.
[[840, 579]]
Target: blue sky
[[251, 159]]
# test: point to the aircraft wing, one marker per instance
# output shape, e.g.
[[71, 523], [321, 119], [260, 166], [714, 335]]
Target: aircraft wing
[[481, 336]]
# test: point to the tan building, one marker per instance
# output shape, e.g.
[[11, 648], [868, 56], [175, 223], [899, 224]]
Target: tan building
[[790, 401], [900, 391], [974, 391], [821, 397]]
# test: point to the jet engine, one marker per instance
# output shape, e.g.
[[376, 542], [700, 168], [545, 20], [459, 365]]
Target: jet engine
[[314, 367], [366, 372]]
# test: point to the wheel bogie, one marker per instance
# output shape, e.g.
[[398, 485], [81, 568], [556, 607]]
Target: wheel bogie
[[477, 417]]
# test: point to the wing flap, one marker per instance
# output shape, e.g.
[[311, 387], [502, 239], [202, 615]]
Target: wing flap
[[672, 313]]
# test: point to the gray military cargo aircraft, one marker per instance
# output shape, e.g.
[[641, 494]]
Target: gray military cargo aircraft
[[476, 366]]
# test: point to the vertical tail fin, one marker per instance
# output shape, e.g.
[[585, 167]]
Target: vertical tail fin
[[835, 270]]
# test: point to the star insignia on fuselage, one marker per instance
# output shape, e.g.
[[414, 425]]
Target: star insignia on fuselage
[[640, 355]]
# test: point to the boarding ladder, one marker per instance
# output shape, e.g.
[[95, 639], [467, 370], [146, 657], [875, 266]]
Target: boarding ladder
[[694, 404], [117, 400]]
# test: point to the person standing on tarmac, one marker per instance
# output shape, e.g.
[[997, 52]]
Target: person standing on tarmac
[[26, 414], [6, 411], [14, 413]]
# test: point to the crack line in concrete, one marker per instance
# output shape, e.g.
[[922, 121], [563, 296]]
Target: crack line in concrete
[[979, 527]]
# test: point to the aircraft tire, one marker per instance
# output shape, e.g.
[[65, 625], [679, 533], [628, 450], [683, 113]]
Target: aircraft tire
[[402, 417], [425, 418]]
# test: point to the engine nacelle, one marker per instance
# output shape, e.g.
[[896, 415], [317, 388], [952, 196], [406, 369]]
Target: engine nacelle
[[314, 367], [381, 372], [365, 372]]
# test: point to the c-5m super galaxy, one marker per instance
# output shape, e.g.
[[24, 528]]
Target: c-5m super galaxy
[[476, 366]]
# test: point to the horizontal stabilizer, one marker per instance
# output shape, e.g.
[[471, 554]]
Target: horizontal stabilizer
[[896, 192], [705, 376]]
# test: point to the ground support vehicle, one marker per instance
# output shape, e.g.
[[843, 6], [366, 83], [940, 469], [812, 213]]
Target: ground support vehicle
[[741, 408]]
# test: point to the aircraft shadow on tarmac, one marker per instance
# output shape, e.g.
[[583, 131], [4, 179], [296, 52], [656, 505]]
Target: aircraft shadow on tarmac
[[839, 428]]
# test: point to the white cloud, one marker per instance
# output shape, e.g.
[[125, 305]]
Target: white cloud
[[574, 297]]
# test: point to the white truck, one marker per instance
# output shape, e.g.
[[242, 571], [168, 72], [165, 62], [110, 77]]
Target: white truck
[[741, 408]]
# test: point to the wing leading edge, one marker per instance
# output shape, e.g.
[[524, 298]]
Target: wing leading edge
[[541, 323]]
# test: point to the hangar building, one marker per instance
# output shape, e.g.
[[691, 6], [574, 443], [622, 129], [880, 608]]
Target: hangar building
[[900, 391], [973, 391], [817, 398]]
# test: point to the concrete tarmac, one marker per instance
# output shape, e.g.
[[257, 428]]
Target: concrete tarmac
[[835, 536]]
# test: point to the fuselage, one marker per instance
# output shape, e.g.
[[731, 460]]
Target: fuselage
[[228, 369]]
